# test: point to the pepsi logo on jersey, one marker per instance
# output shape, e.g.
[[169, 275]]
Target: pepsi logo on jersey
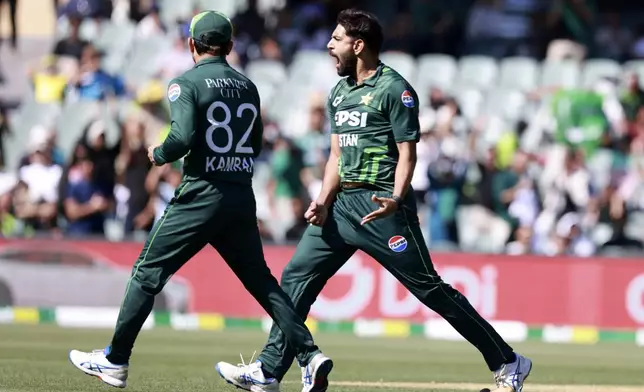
[[407, 99], [398, 243]]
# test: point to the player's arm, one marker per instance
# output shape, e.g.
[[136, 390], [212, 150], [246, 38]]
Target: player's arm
[[404, 168], [401, 106], [183, 102], [403, 114], [331, 181]]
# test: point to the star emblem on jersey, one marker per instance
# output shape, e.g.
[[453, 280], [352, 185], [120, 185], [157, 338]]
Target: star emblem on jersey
[[366, 99]]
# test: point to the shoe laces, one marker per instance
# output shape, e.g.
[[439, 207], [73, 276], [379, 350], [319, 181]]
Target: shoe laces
[[506, 376], [97, 353], [243, 363]]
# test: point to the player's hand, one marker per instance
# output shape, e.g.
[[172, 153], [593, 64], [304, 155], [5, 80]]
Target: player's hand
[[316, 214], [387, 207], [151, 154]]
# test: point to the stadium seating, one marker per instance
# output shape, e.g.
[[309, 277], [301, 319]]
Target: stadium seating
[[519, 73], [435, 70]]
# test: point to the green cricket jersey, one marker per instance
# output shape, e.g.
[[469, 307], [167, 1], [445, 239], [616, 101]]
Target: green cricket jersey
[[581, 121], [370, 119], [216, 123]]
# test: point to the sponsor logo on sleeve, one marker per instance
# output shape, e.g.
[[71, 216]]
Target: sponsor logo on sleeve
[[174, 91], [407, 99]]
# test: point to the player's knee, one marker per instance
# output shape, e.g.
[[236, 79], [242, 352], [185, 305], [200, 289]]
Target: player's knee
[[148, 280], [291, 275]]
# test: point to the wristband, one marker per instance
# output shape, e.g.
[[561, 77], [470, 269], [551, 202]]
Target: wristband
[[398, 200]]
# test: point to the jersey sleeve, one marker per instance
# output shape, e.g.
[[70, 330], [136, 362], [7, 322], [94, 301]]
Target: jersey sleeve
[[183, 101], [401, 106]]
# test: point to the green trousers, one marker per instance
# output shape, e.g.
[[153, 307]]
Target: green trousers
[[224, 216], [397, 244]]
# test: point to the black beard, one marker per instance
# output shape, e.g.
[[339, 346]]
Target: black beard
[[348, 67]]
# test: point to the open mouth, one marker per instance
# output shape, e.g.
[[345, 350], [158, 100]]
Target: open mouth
[[337, 60]]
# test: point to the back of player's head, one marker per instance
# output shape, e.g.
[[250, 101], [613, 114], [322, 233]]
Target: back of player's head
[[211, 31], [362, 25]]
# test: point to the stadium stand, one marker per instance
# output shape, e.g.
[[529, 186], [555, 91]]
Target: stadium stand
[[518, 154]]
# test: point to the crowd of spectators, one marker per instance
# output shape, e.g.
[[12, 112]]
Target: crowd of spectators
[[514, 200]]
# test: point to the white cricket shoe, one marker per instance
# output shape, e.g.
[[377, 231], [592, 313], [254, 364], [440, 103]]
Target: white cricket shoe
[[315, 374], [249, 377], [96, 364], [512, 375]]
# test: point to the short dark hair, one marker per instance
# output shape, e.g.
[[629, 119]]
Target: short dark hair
[[209, 43], [362, 25]]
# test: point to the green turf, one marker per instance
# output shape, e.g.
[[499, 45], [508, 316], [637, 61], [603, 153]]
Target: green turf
[[34, 358]]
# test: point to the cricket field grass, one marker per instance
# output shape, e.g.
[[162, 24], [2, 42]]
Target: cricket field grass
[[34, 358]]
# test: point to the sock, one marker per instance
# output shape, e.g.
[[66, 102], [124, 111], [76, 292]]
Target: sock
[[268, 374], [512, 359]]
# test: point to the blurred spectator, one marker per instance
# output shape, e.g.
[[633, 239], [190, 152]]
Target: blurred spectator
[[286, 188], [286, 34], [85, 203], [48, 82], [580, 118], [420, 179], [152, 111], [315, 146], [93, 83], [35, 199], [150, 25], [79, 153], [315, 34], [250, 23], [176, 60], [4, 132], [569, 26], [514, 196], [132, 166], [13, 17], [569, 239], [482, 221], [436, 24], [46, 137], [636, 133], [570, 188], [447, 173], [97, 9], [269, 49], [102, 157], [612, 38], [633, 98], [140, 8], [637, 50], [72, 45], [250, 27], [160, 184], [629, 195]]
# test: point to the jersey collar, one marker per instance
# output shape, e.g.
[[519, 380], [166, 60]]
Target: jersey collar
[[212, 60], [370, 81]]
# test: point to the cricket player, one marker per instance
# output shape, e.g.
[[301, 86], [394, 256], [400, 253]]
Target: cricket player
[[216, 125], [366, 203]]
